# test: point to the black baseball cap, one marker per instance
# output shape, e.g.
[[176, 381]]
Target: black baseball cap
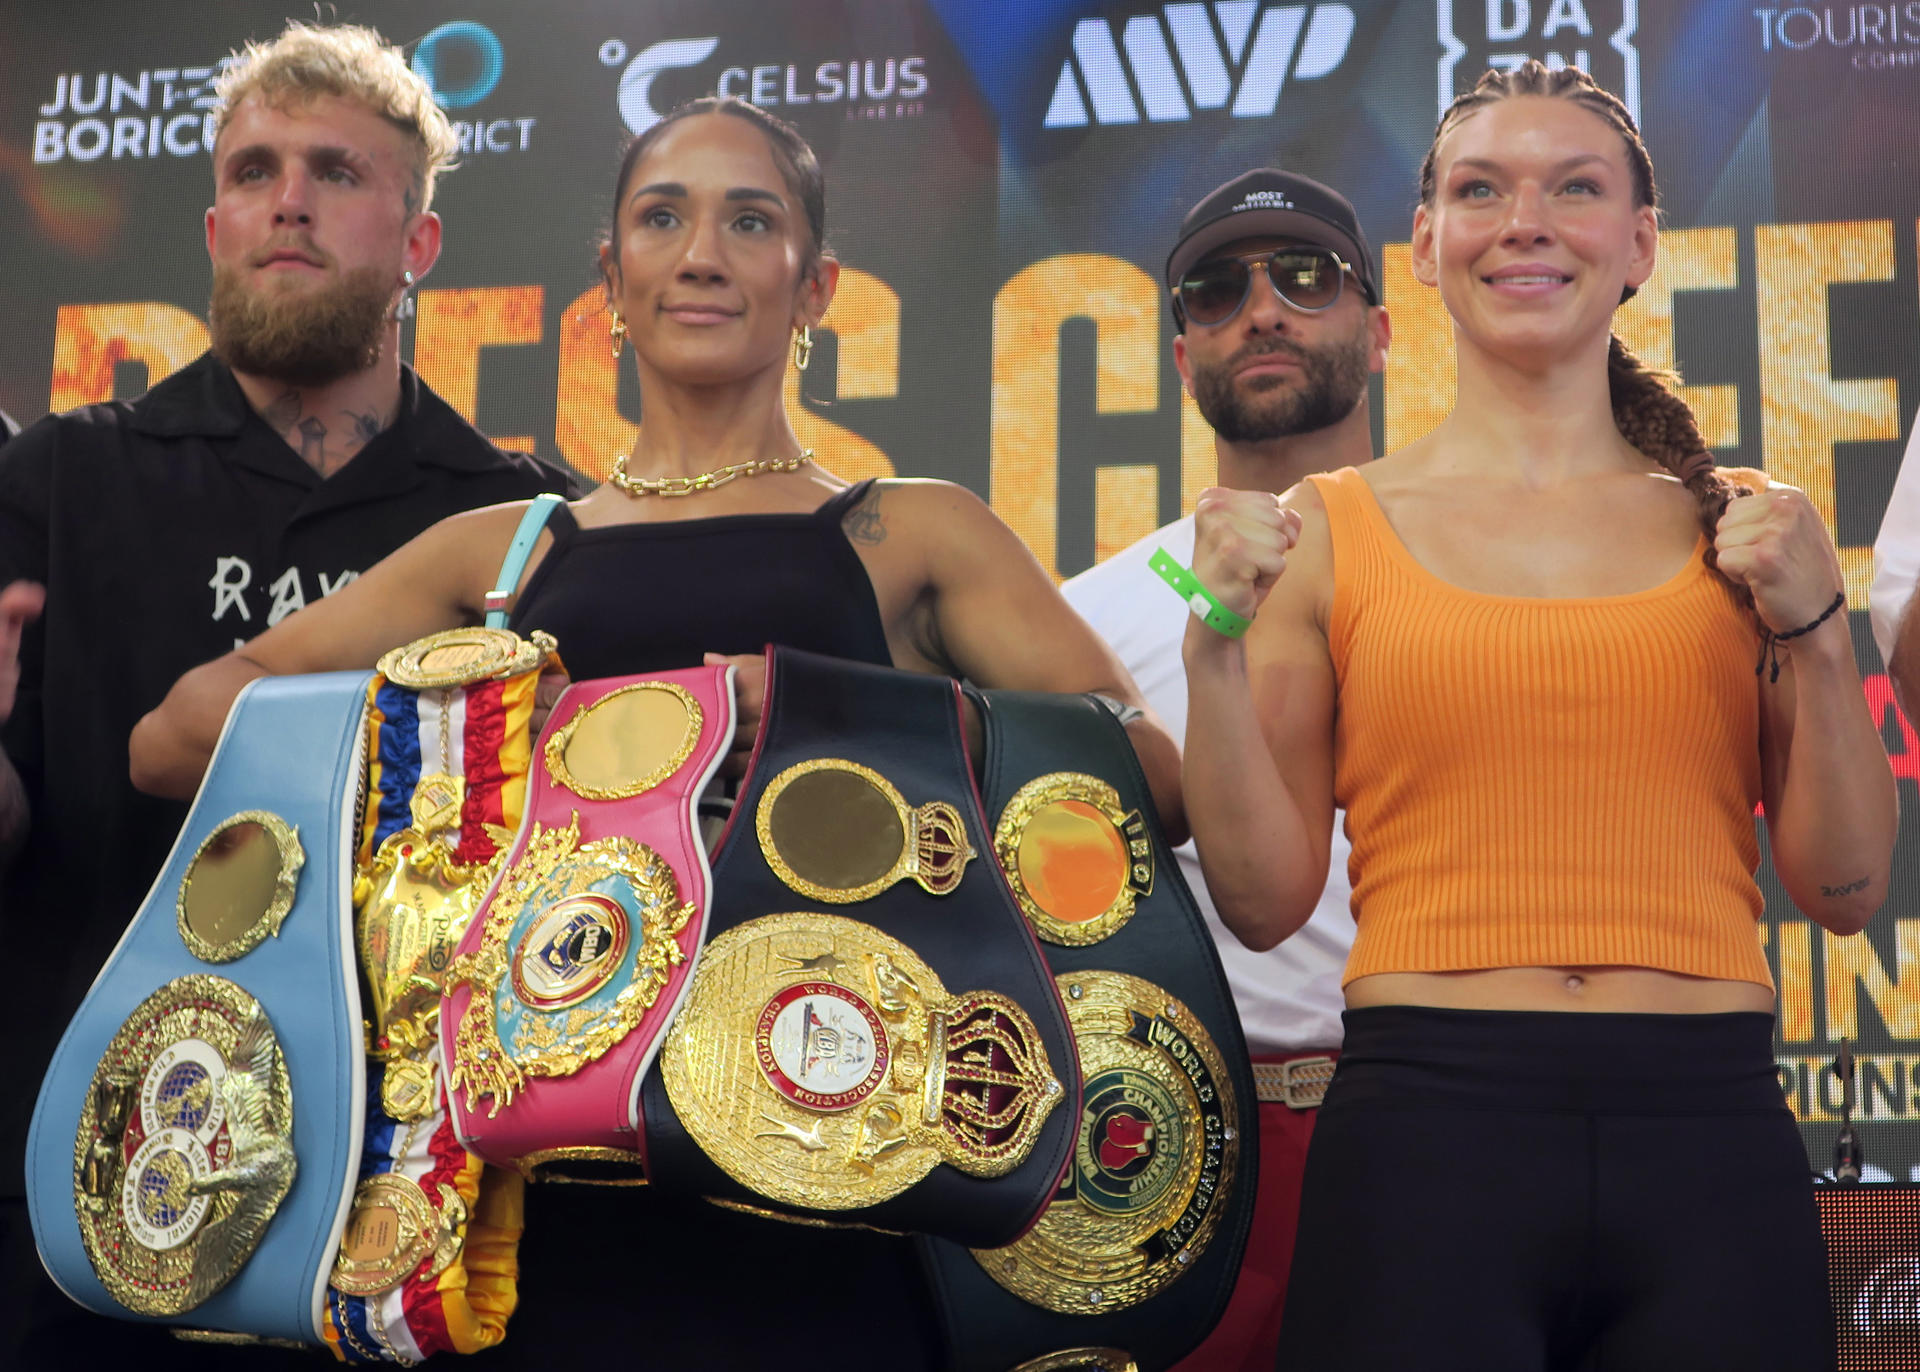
[[1269, 203]]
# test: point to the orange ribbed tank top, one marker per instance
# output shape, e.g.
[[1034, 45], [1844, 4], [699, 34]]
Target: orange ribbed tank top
[[1541, 782]]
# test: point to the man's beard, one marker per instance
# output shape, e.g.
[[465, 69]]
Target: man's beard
[[1332, 380], [304, 338]]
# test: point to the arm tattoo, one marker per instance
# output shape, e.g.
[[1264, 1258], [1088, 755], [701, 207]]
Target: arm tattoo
[[863, 523], [1846, 890]]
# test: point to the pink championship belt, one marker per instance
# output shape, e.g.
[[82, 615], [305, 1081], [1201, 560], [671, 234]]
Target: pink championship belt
[[564, 983]]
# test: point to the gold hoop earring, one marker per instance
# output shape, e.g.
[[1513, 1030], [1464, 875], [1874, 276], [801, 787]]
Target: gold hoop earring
[[803, 347], [618, 333]]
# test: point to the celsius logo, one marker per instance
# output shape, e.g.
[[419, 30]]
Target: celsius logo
[[871, 88], [636, 82], [462, 52], [1303, 41], [166, 111], [1594, 35], [462, 63]]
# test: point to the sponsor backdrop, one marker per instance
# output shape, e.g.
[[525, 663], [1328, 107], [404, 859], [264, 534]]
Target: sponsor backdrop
[[1005, 181]]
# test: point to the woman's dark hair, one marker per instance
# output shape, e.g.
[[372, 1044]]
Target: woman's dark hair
[[1645, 409], [791, 153]]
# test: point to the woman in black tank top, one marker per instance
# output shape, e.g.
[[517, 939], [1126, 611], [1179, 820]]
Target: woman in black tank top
[[715, 536]]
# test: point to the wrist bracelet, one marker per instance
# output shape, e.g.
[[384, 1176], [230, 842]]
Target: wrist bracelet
[[1770, 641], [1199, 599]]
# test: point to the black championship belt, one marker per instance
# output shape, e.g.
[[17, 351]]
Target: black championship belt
[[872, 1036], [1136, 1257]]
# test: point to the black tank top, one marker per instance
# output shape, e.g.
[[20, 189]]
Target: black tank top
[[652, 597]]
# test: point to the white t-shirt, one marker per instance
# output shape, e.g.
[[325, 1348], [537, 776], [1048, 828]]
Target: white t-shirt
[[1289, 997], [1896, 553]]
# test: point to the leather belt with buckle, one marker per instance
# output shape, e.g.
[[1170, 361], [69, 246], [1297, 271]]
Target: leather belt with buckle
[[1300, 1084]]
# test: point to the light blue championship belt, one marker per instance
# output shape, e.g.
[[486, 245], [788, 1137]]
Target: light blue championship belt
[[197, 1138]]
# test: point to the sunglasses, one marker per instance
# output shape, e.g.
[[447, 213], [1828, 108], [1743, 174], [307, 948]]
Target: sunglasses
[[1309, 279]]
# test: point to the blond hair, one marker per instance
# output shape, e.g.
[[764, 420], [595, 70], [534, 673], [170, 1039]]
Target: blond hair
[[355, 63]]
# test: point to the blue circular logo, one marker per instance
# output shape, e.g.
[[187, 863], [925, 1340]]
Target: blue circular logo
[[163, 1190], [185, 1097], [462, 52]]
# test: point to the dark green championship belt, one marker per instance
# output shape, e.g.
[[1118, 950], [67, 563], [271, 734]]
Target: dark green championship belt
[[1134, 1260], [872, 1035]]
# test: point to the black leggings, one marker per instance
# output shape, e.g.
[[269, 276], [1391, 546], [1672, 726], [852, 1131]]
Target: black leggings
[[1504, 1191]]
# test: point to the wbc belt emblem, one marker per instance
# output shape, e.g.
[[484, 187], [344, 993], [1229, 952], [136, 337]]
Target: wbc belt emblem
[[185, 1145], [1155, 1157], [821, 1063]]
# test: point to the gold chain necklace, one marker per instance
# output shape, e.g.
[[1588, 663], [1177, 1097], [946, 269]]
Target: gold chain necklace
[[706, 481]]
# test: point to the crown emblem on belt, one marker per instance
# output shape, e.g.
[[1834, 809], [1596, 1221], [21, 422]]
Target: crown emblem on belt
[[995, 1087]]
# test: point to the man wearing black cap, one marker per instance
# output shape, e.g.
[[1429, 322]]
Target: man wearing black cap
[[1278, 326]]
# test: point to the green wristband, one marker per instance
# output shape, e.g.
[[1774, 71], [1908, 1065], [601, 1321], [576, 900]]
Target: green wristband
[[1199, 599]]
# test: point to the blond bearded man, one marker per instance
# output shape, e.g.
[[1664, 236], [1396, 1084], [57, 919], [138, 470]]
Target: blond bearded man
[[140, 539]]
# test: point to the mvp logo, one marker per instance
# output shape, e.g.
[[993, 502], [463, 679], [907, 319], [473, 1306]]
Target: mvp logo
[[1222, 55]]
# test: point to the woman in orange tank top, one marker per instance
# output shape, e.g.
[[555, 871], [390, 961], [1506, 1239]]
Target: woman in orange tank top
[[1520, 654]]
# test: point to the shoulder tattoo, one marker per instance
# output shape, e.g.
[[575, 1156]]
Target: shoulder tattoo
[[864, 523]]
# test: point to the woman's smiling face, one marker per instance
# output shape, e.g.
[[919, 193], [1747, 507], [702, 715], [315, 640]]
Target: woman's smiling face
[[1536, 226]]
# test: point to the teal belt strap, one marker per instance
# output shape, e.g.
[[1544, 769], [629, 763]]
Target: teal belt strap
[[539, 510]]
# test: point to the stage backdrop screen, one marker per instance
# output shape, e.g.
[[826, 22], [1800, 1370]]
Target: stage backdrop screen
[[1005, 178]]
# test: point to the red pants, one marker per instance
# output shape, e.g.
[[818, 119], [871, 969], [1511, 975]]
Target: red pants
[[1249, 1332]]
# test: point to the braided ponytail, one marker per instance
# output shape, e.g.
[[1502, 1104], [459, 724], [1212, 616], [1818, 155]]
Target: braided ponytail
[[1661, 425]]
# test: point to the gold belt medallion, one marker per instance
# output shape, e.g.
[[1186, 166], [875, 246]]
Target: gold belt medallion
[[185, 1145], [395, 1231], [411, 905], [239, 887], [460, 657], [578, 943], [1154, 1162], [1077, 861], [822, 1064], [627, 742], [839, 832]]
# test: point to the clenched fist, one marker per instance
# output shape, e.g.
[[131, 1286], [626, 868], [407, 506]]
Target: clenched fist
[[20, 603], [1240, 545], [1775, 545]]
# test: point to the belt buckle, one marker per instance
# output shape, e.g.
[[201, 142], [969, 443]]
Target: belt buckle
[[1303, 1081]]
